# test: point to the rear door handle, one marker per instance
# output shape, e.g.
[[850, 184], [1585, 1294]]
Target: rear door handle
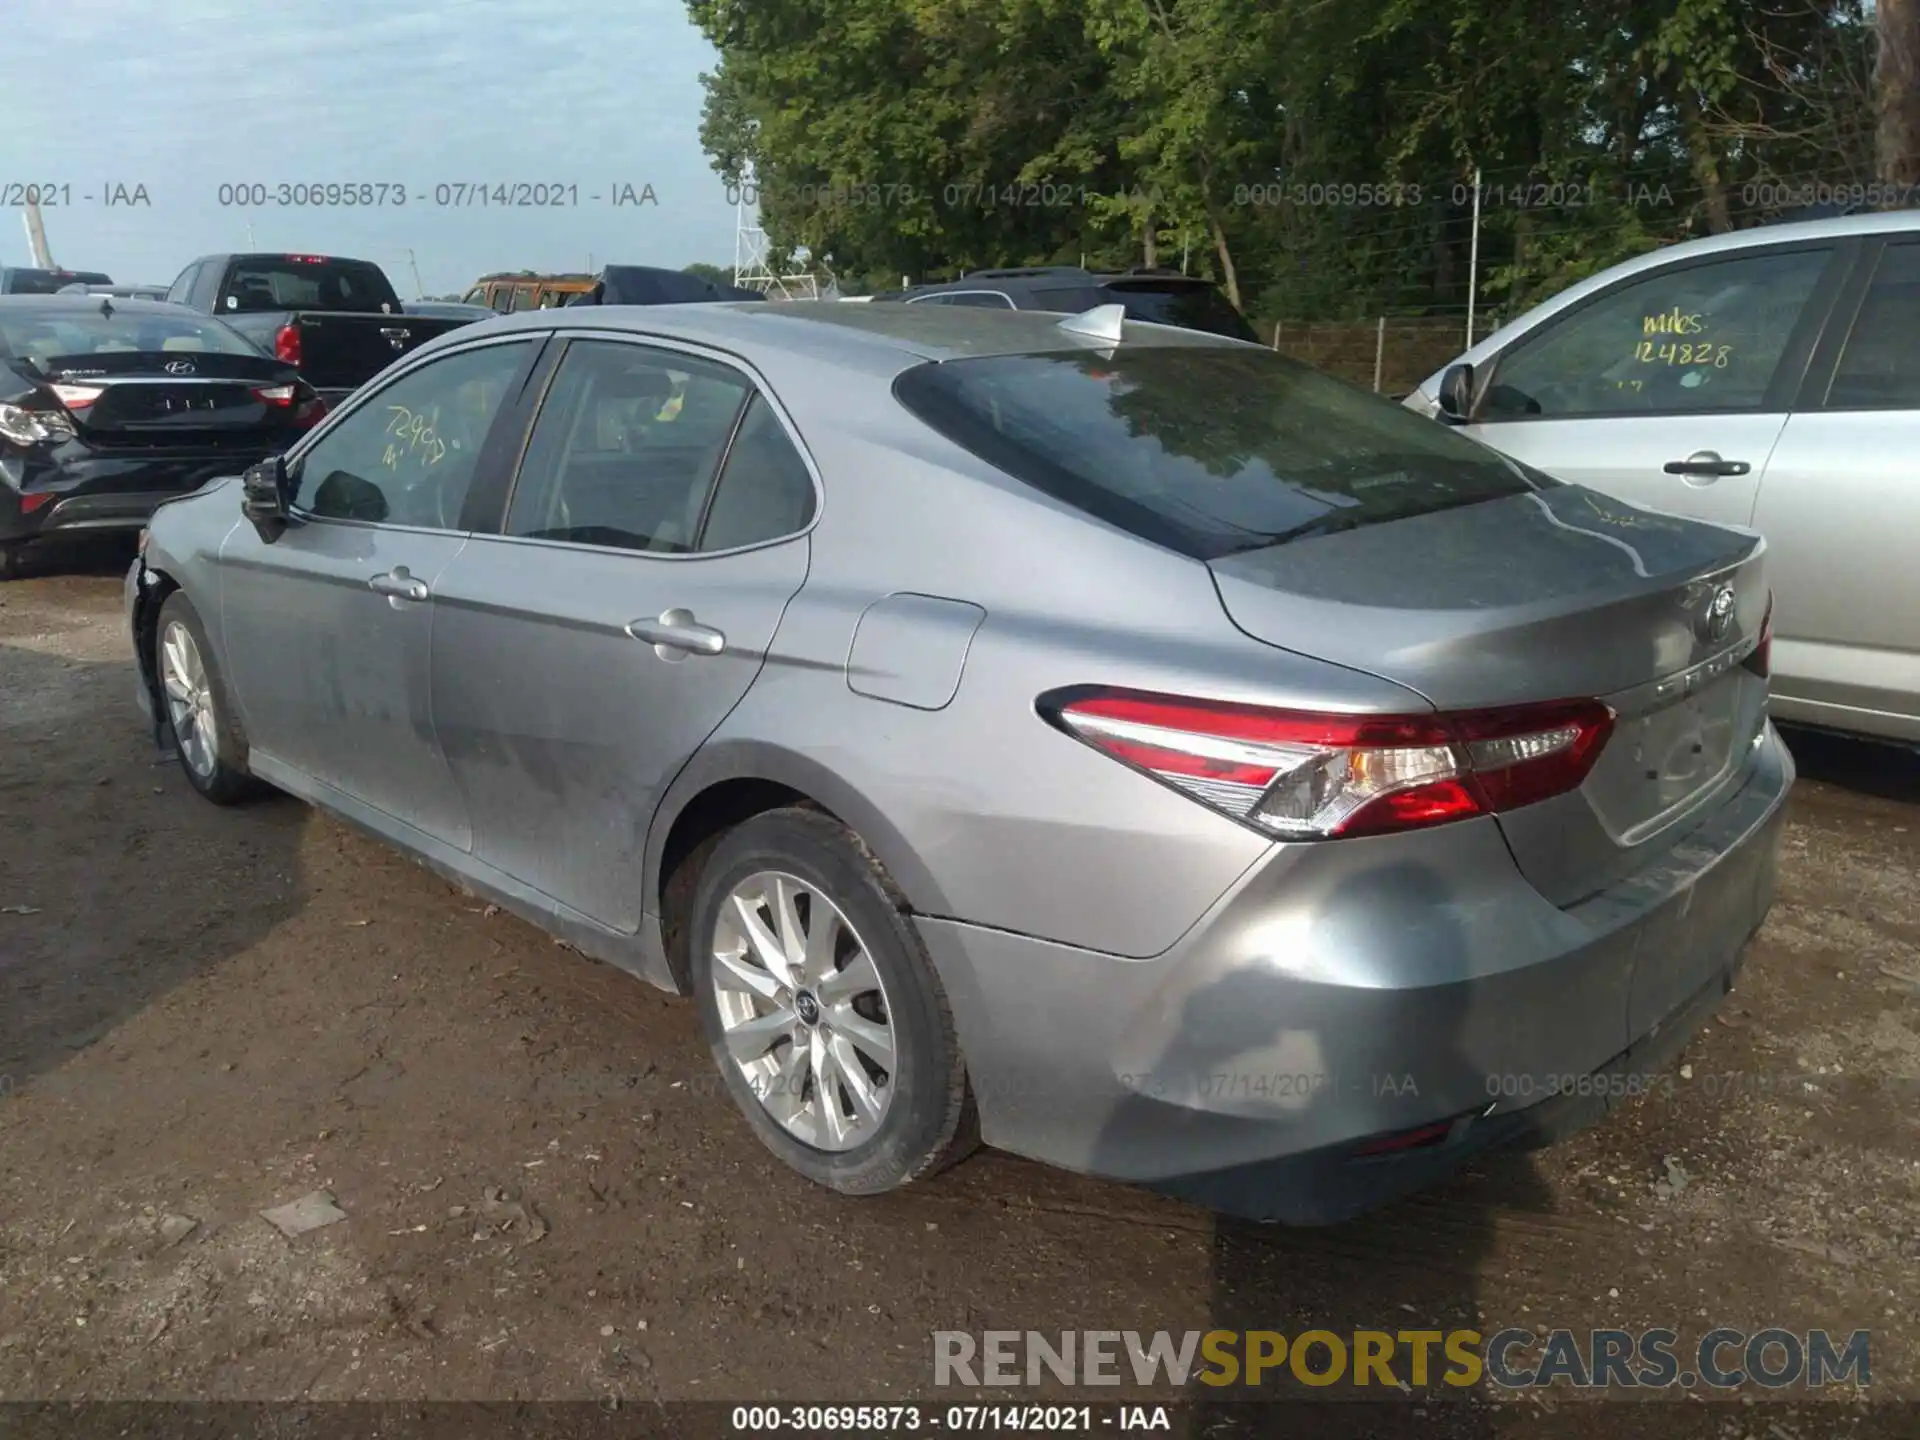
[[398, 583], [676, 629], [1707, 463]]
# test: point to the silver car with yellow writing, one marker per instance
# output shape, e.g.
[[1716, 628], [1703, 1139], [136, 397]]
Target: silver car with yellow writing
[[1115, 743], [1769, 378]]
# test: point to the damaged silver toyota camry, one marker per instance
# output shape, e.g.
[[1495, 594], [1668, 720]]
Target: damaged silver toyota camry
[[1113, 743]]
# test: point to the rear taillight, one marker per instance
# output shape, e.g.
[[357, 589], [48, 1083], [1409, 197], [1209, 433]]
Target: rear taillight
[[1760, 662], [1307, 776], [286, 344], [280, 395], [77, 397]]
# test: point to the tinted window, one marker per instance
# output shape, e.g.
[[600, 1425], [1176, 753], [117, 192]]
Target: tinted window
[[43, 334], [1699, 337], [522, 298], [1194, 307], [1881, 364], [764, 491], [475, 296], [1070, 299], [270, 282], [930, 300], [625, 447], [1206, 450], [49, 282], [502, 298], [980, 299], [407, 456]]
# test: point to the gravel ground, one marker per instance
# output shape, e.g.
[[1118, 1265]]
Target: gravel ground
[[208, 1013]]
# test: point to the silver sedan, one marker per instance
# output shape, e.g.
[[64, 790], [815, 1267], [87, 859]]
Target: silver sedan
[[1114, 743]]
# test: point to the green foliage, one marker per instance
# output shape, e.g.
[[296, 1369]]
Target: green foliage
[[1316, 158]]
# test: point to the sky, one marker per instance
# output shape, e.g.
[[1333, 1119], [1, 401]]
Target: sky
[[182, 97]]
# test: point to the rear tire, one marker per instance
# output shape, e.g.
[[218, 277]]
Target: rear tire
[[200, 719], [823, 1013], [10, 566]]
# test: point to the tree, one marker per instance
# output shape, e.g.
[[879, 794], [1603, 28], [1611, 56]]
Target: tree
[[1897, 92]]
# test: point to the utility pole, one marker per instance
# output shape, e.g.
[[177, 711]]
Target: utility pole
[[1473, 258], [419, 290]]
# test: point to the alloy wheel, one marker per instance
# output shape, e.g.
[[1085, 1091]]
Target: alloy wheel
[[189, 694], [803, 1010]]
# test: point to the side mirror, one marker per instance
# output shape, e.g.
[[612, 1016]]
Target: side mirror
[[1456, 393], [263, 497]]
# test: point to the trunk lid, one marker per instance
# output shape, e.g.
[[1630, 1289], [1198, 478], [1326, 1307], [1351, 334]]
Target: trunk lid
[[167, 398], [1559, 594], [341, 351]]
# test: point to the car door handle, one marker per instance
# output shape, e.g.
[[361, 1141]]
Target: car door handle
[[1707, 463], [399, 584], [676, 629]]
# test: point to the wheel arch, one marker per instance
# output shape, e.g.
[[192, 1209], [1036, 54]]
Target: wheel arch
[[730, 782], [155, 586]]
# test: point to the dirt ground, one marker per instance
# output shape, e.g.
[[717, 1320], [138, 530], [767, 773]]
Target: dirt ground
[[208, 1013]]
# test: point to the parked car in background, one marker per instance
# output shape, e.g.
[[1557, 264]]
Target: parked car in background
[[1116, 742], [20, 280], [338, 321], [108, 408], [655, 285], [1163, 297], [506, 294], [448, 310], [124, 292], [1767, 378]]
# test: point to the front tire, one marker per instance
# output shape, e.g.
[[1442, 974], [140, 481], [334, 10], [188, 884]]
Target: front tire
[[824, 1015], [205, 732]]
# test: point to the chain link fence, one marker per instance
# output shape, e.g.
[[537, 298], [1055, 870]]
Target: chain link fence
[[1389, 354]]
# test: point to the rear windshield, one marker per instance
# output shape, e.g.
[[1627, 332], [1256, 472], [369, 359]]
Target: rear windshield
[[274, 283], [1197, 307], [1192, 307], [44, 336], [1207, 451]]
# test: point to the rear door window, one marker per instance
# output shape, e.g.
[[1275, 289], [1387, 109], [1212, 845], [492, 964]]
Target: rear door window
[[1880, 368], [765, 490], [1206, 449]]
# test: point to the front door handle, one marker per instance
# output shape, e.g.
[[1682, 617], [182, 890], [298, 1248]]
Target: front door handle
[[676, 629], [399, 584], [1708, 465]]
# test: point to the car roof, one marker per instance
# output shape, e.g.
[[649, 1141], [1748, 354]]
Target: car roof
[[872, 337], [90, 304]]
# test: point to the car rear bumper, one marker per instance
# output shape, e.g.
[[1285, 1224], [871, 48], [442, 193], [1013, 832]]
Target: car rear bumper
[[107, 492], [1343, 995]]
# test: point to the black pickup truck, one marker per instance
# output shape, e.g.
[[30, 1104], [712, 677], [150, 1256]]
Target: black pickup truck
[[338, 321]]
